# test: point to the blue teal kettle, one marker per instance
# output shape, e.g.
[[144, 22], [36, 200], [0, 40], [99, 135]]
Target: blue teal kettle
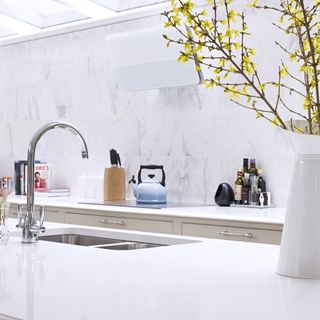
[[150, 189]]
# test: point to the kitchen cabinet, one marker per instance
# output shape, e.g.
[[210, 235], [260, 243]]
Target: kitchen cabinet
[[51, 214], [214, 228], [54, 215], [207, 228], [121, 221], [227, 232]]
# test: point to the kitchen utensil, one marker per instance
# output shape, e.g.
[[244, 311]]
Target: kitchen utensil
[[118, 160], [114, 179], [150, 190], [113, 157], [114, 184]]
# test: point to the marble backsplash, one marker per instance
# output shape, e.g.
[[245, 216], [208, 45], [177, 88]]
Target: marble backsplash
[[197, 134]]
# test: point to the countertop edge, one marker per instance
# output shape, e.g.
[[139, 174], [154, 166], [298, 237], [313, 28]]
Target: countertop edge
[[206, 212]]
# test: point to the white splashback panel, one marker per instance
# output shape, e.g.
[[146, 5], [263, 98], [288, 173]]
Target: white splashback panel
[[142, 61]]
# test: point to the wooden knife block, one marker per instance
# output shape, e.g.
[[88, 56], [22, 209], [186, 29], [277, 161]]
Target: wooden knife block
[[114, 184]]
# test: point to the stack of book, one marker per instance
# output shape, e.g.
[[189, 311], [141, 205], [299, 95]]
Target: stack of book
[[41, 176], [52, 193]]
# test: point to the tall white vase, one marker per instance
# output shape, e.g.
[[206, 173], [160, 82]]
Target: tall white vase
[[300, 243]]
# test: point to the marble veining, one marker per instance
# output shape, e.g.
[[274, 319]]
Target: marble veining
[[197, 134]]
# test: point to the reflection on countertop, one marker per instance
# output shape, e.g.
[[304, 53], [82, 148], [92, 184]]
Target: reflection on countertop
[[135, 204]]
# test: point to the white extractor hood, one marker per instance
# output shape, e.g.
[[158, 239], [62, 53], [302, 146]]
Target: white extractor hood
[[153, 66]]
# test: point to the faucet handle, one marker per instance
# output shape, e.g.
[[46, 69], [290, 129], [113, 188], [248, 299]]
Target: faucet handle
[[38, 227], [20, 216], [42, 211]]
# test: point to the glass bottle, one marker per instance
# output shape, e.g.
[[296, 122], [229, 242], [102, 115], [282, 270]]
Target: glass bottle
[[261, 182], [245, 197], [254, 198], [253, 170], [245, 165], [238, 187]]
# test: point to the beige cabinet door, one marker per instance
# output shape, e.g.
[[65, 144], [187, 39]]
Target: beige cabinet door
[[120, 222], [231, 233], [12, 210], [52, 215]]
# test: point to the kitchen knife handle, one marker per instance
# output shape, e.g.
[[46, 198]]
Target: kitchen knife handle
[[113, 157], [118, 159]]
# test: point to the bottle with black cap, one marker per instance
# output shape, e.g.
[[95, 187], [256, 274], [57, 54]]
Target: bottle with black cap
[[245, 165], [262, 186], [245, 196]]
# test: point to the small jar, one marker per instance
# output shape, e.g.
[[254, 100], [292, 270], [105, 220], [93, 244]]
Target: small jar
[[4, 230]]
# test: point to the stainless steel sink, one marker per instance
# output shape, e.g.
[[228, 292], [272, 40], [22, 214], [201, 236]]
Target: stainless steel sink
[[79, 240], [110, 240], [130, 246], [98, 242]]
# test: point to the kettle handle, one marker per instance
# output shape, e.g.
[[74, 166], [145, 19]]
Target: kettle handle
[[152, 167]]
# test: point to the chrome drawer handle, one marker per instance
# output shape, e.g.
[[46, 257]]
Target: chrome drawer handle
[[235, 234], [106, 221]]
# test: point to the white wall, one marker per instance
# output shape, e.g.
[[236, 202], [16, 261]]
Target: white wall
[[197, 134]]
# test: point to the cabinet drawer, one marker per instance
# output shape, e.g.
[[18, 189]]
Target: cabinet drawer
[[49, 215], [53, 216], [231, 233], [118, 222], [12, 211]]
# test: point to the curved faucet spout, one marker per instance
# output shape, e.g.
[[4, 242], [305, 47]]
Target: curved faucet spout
[[29, 233]]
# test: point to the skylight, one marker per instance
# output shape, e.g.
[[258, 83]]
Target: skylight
[[4, 32], [120, 5], [40, 13], [22, 20]]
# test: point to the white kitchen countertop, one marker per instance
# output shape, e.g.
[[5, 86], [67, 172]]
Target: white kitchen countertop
[[268, 215], [213, 279]]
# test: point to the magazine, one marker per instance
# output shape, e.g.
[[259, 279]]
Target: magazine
[[42, 176]]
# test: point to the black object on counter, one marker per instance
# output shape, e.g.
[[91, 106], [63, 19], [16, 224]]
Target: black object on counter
[[118, 159], [224, 195], [152, 167], [115, 158], [133, 180]]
